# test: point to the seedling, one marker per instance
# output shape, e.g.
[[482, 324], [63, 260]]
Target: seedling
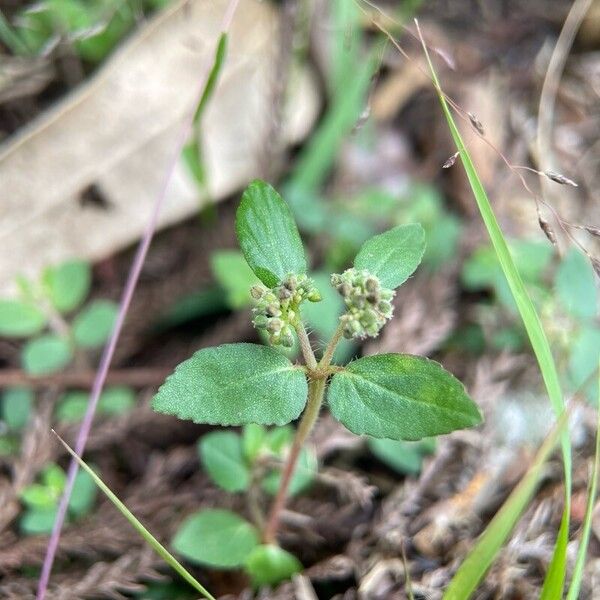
[[41, 499], [395, 396], [567, 295], [59, 332]]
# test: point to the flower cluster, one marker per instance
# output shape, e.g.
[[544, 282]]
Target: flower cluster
[[276, 310], [368, 304]]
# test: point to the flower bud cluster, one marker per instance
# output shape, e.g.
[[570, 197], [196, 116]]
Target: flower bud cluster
[[277, 309], [368, 304]]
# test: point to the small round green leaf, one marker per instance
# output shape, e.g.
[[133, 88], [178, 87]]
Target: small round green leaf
[[116, 401], [20, 319], [16, 407], [401, 397], [268, 234], [71, 406], [404, 457], [39, 496], [215, 537], [46, 354], [394, 255], [576, 285], [234, 384], [222, 457], [38, 521], [94, 324], [234, 275], [253, 439], [68, 284], [269, 564], [84, 494], [304, 475]]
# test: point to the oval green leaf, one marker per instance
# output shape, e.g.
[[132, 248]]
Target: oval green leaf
[[234, 384], [46, 354], [94, 324], [268, 234], [215, 537], [20, 319], [401, 397], [222, 457], [269, 564], [576, 285], [68, 284], [16, 407], [394, 255]]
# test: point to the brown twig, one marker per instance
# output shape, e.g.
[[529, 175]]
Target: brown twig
[[136, 377]]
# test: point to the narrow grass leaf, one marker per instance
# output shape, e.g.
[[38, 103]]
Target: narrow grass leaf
[[575, 586], [529, 316], [479, 559], [148, 537]]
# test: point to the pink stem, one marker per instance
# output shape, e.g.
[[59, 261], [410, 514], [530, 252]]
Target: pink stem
[[109, 349]]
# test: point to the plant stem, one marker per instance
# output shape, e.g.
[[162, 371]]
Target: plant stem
[[307, 351], [316, 389], [318, 373], [329, 351]]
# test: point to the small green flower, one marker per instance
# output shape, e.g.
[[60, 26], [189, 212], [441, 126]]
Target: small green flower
[[277, 309], [368, 304]]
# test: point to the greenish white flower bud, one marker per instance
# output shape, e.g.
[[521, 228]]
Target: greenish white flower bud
[[277, 309], [368, 304]]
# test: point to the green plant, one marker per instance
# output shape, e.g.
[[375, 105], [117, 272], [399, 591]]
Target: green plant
[[565, 292], [395, 396], [92, 27], [59, 331], [41, 499]]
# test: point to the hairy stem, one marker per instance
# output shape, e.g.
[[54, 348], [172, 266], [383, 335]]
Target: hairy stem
[[329, 351], [316, 389], [307, 351], [318, 374]]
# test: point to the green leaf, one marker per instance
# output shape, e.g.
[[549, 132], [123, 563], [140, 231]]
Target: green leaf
[[583, 359], [84, 494], [38, 522], [269, 564], [222, 457], [280, 437], [135, 523], [234, 384], [215, 537], [480, 557], [304, 475], [54, 478], [68, 284], [577, 577], [46, 354], [576, 285], [116, 401], [20, 319], [253, 439], [529, 316], [401, 397], [268, 235], [71, 407], [94, 324], [394, 255], [404, 457], [235, 276], [39, 497], [16, 407]]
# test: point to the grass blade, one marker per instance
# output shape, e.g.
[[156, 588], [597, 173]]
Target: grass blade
[[575, 586], [148, 537], [533, 326], [481, 556]]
